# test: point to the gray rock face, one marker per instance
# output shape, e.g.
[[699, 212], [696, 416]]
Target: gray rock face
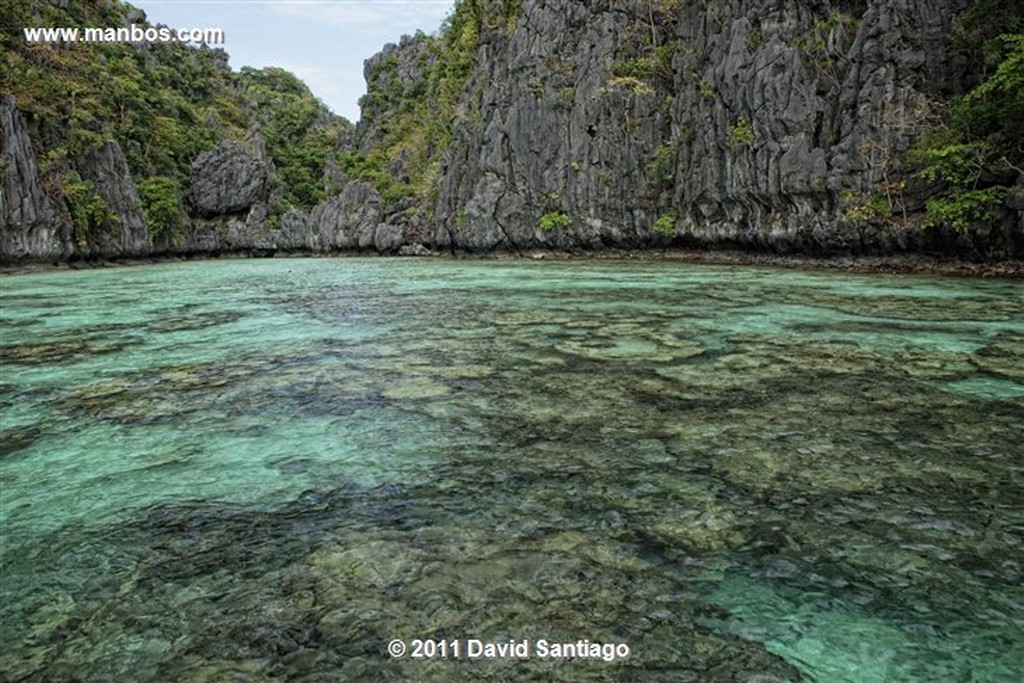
[[414, 250], [229, 233], [351, 221], [348, 221], [107, 168], [30, 226], [558, 137], [766, 123], [396, 69], [230, 178]]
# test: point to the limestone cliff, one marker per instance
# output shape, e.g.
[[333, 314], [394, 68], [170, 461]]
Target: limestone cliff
[[29, 224], [763, 124], [769, 125]]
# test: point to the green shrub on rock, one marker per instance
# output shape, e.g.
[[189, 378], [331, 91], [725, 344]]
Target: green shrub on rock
[[553, 220]]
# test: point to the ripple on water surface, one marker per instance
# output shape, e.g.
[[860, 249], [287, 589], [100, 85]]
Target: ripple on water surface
[[265, 470]]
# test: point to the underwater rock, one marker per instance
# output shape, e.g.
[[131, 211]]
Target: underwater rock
[[67, 350], [1004, 358], [935, 364], [698, 531], [463, 371], [402, 389], [184, 320], [16, 439], [639, 348], [48, 352]]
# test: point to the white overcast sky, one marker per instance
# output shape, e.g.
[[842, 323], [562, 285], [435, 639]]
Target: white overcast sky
[[323, 42]]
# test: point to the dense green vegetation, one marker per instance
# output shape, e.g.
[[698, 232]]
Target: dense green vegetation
[[163, 103], [88, 210], [300, 133], [161, 201], [976, 157]]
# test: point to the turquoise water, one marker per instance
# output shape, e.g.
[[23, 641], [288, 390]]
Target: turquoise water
[[267, 470]]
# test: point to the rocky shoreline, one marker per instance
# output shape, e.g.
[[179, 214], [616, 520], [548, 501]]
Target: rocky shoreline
[[917, 264]]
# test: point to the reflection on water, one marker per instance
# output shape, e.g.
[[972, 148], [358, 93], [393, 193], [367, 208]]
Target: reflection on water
[[266, 470]]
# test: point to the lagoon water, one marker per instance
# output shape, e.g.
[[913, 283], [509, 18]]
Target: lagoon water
[[269, 469]]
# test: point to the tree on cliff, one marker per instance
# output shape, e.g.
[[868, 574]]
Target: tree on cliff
[[977, 157]]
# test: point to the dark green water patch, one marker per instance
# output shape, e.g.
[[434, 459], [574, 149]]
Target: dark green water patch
[[60, 350], [191, 317], [16, 439], [1002, 357], [928, 304]]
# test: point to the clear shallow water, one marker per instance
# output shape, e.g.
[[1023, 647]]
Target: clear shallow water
[[266, 470]]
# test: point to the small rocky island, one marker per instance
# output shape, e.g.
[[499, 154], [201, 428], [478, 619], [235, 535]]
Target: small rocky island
[[857, 127]]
